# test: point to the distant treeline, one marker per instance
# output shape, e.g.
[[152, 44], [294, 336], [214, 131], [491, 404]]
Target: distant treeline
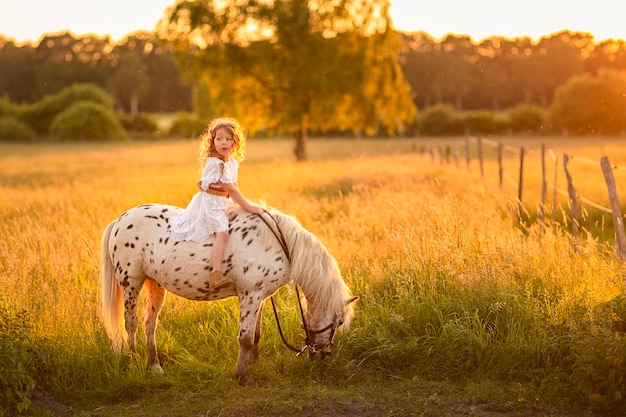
[[497, 73], [563, 82], [139, 71]]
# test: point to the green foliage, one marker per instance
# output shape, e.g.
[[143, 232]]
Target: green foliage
[[41, 114], [485, 122], [87, 120], [526, 118], [138, 123], [439, 120], [14, 130], [21, 357], [588, 104], [8, 108], [187, 126], [507, 322], [323, 68], [129, 79]]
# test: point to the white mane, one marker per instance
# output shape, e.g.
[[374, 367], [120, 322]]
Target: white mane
[[314, 268]]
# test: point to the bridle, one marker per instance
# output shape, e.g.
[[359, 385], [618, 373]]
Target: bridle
[[322, 349]]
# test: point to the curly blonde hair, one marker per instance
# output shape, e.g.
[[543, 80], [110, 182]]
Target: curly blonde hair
[[207, 145]]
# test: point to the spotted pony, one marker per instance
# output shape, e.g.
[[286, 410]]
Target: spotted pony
[[137, 252]]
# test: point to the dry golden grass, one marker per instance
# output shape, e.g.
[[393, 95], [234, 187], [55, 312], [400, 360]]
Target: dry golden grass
[[429, 248], [57, 199]]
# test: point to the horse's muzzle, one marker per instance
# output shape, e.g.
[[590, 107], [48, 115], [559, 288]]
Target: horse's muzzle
[[318, 354]]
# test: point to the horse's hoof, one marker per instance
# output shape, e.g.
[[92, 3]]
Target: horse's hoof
[[316, 356], [247, 382], [156, 369]]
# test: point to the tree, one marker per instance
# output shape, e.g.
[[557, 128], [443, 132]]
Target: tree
[[297, 65], [588, 104], [142, 71], [63, 60], [17, 72], [559, 57], [129, 80]]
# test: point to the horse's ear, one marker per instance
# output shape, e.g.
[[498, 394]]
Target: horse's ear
[[351, 300]]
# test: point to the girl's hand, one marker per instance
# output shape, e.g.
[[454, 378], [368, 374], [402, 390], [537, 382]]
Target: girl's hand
[[254, 209]]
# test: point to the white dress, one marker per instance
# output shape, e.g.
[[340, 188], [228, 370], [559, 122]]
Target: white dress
[[206, 213]]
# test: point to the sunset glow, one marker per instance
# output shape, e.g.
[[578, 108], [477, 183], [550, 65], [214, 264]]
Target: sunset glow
[[533, 18], [28, 21]]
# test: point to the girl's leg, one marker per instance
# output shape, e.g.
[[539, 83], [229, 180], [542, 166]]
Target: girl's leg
[[216, 279], [217, 253]]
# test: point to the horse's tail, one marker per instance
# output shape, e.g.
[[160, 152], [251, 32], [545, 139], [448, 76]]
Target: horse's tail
[[112, 299]]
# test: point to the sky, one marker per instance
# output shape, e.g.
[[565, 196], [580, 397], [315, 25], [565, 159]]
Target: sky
[[28, 20]]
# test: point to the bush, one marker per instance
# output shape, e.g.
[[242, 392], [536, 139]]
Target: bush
[[587, 105], [139, 123], [439, 120], [87, 120], [485, 122], [14, 130], [20, 359], [8, 108], [526, 118], [41, 114], [187, 126]]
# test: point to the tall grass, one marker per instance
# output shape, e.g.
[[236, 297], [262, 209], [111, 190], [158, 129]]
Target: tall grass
[[450, 286]]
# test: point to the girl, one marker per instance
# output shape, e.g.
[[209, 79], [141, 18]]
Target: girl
[[221, 150]]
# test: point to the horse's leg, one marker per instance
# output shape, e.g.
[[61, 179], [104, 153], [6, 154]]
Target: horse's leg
[[156, 297], [248, 311], [254, 355], [131, 295]]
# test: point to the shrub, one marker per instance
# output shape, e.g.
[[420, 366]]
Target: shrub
[[139, 123], [187, 126], [14, 130], [20, 358], [87, 120], [41, 114], [485, 122], [526, 118], [439, 120], [8, 108], [586, 104]]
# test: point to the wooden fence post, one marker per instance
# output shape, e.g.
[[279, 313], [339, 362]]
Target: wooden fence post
[[618, 219], [500, 166], [480, 157], [556, 170], [542, 207], [521, 181], [467, 152], [572, 195]]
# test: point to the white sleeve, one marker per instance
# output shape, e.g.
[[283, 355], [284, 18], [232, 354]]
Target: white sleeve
[[211, 173]]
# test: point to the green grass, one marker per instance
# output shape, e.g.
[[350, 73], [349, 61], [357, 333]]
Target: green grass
[[461, 311]]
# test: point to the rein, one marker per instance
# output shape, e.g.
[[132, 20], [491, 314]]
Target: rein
[[308, 345]]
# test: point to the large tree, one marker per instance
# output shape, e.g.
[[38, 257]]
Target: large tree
[[294, 65], [589, 104]]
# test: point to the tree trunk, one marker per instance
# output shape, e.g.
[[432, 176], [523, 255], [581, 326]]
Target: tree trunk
[[300, 145], [134, 105]]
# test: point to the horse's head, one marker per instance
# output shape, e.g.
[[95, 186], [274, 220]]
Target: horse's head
[[320, 330]]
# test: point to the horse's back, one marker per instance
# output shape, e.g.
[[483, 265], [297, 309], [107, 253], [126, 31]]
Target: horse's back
[[141, 246]]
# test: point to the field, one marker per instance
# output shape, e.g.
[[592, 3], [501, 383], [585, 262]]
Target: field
[[462, 310]]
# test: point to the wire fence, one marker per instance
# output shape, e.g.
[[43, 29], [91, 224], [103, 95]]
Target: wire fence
[[475, 146]]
